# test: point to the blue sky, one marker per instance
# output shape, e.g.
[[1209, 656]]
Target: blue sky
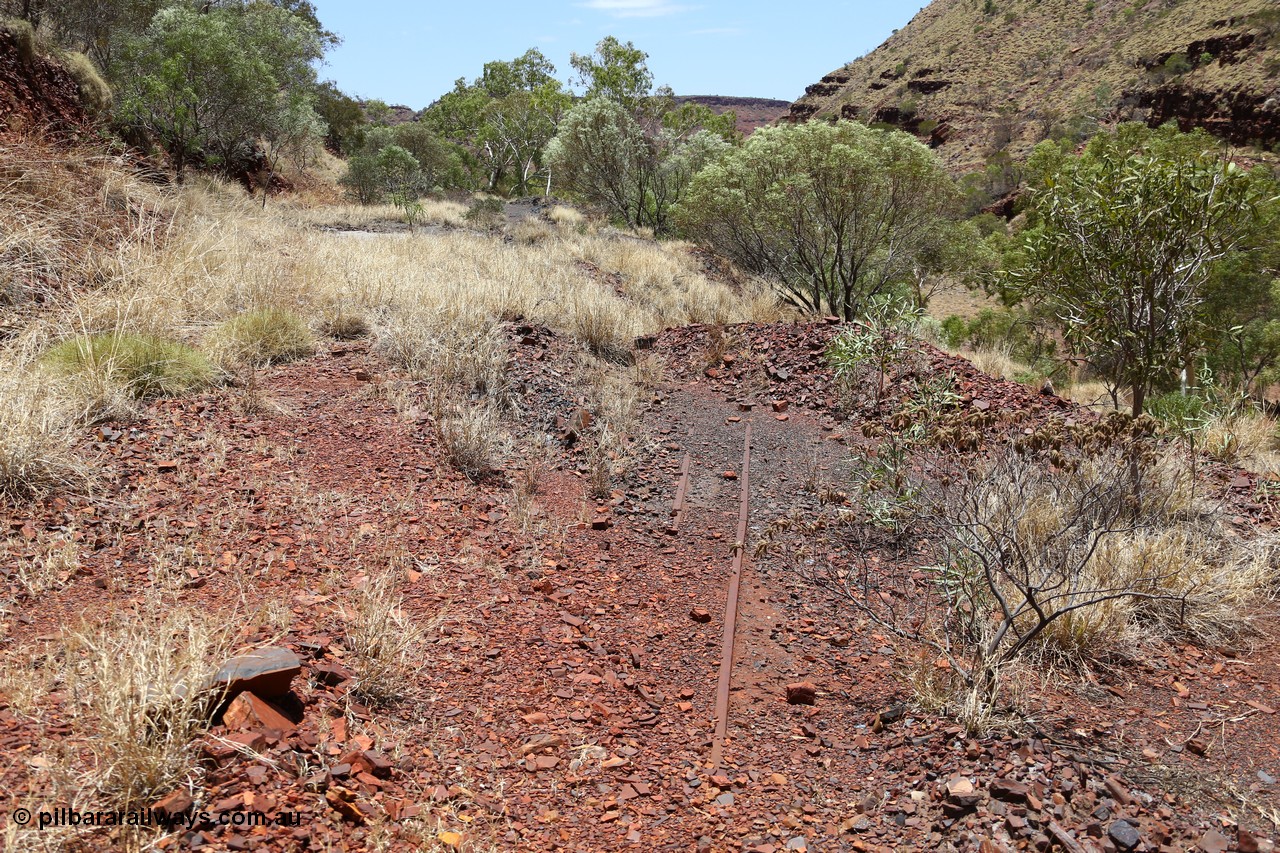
[[408, 52]]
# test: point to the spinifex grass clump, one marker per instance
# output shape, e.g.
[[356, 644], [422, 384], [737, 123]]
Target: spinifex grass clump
[[261, 337], [142, 365], [105, 376]]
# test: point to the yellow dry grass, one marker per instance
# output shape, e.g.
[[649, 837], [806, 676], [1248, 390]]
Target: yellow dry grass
[[430, 300], [1181, 576], [1245, 438]]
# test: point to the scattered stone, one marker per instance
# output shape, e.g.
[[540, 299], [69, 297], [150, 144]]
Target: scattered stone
[[1118, 791], [700, 615], [1009, 790], [330, 673], [1124, 834], [249, 711], [344, 803], [960, 792], [802, 693], [267, 672], [543, 742], [780, 406], [1213, 842], [174, 803]]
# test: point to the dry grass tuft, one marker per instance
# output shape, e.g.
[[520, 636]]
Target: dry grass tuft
[[138, 689], [24, 36], [1240, 437], [995, 361], [608, 329], [95, 94], [448, 350], [381, 640], [1091, 393], [37, 453], [51, 567], [345, 326], [531, 231], [568, 217], [472, 437]]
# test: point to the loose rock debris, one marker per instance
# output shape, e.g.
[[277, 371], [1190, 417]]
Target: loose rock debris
[[562, 697]]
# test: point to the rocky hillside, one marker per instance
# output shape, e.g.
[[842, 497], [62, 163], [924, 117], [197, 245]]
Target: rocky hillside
[[973, 77], [36, 92]]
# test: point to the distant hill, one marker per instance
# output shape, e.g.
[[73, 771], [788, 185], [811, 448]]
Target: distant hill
[[752, 112], [393, 114], [973, 77]]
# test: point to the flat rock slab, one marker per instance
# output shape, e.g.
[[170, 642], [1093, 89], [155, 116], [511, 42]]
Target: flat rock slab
[[268, 672]]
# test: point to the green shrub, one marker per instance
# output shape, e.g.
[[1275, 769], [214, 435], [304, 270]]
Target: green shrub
[[1177, 64], [486, 210], [363, 179], [1181, 413], [261, 337], [955, 331], [141, 365]]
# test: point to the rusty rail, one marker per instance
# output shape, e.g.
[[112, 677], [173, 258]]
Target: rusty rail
[[682, 492], [731, 610]]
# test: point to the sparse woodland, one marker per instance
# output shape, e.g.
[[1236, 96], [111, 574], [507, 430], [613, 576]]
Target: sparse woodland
[[406, 401]]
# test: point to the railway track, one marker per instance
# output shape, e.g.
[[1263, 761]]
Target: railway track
[[678, 510]]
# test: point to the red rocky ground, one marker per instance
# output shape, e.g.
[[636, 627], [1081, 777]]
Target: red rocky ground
[[565, 698]]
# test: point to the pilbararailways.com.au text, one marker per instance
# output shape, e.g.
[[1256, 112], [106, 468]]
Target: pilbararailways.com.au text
[[62, 817]]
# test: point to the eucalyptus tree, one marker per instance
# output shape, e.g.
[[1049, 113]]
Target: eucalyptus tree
[[1128, 241]]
